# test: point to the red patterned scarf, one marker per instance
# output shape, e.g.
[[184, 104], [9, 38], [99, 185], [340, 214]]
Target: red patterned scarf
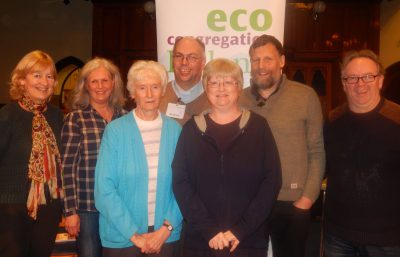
[[44, 163]]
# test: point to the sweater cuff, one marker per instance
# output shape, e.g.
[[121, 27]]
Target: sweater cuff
[[239, 231], [69, 213], [209, 233], [312, 194]]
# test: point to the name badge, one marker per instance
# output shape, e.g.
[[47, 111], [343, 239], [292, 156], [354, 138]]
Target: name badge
[[293, 186], [175, 110]]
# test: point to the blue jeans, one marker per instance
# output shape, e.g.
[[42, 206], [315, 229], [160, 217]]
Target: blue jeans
[[88, 241], [338, 247]]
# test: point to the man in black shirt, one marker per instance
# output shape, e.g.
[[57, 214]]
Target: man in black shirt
[[362, 141]]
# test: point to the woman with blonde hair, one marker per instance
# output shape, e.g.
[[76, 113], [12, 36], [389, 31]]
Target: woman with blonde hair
[[226, 171], [96, 100], [30, 163]]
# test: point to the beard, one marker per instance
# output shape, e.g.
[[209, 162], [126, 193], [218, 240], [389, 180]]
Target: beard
[[265, 84]]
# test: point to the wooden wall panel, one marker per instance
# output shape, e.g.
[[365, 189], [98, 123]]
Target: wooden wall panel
[[140, 29], [123, 32], [309, 43], [343, 26]]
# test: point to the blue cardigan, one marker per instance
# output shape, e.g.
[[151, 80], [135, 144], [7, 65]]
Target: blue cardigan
[[121, 182]]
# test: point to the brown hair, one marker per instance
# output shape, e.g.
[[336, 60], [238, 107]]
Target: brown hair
[[365, 53], [264, 40]]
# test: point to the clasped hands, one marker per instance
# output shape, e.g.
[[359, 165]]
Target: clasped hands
[[224, 239], [152, 242]]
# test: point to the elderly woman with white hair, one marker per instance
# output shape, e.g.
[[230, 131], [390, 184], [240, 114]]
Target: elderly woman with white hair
[[139, 215]]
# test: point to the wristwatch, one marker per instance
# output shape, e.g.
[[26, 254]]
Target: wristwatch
[[169, 226]]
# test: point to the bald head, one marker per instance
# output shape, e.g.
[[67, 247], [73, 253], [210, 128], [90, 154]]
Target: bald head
[[191, 40]]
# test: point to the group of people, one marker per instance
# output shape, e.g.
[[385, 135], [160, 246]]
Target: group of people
[[201, 167]]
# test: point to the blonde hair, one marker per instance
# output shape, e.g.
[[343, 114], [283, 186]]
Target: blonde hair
[[140, 69], [32, 60], [224, 68], [80, 98]]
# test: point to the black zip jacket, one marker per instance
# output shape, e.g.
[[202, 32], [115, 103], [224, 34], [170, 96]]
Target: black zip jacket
[[232, 191]]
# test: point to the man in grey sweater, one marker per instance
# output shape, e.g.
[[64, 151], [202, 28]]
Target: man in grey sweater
[[294, 114]]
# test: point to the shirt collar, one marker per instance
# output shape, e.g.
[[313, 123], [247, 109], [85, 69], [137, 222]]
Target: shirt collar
[[187, 96], [261, 100]]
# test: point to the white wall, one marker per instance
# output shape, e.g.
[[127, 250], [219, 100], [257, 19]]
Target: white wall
[[50, 25], [390, 32]]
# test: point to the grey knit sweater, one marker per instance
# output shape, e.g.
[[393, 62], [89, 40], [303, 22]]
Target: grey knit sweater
[[295, 117]]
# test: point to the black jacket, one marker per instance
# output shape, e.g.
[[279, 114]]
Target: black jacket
[[16, 147], [232, 191]]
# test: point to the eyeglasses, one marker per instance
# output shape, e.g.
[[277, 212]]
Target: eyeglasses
[[190, 58], [354, 79], [228, 84]]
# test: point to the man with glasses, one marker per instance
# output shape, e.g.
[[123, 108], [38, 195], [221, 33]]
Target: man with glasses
[[362, 215], [293, 112], [184, 96]]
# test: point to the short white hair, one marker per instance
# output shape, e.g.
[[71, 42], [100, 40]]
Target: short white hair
[[140, 69]]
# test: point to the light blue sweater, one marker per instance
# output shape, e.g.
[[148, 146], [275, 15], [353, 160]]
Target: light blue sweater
[[121, 182]]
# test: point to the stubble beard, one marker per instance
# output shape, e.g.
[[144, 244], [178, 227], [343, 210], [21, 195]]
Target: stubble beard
[[266, 84]]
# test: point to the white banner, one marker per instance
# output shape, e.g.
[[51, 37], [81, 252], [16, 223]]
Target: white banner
[[227, 27]]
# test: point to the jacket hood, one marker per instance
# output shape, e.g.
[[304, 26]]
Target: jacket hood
[[200, 120]]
